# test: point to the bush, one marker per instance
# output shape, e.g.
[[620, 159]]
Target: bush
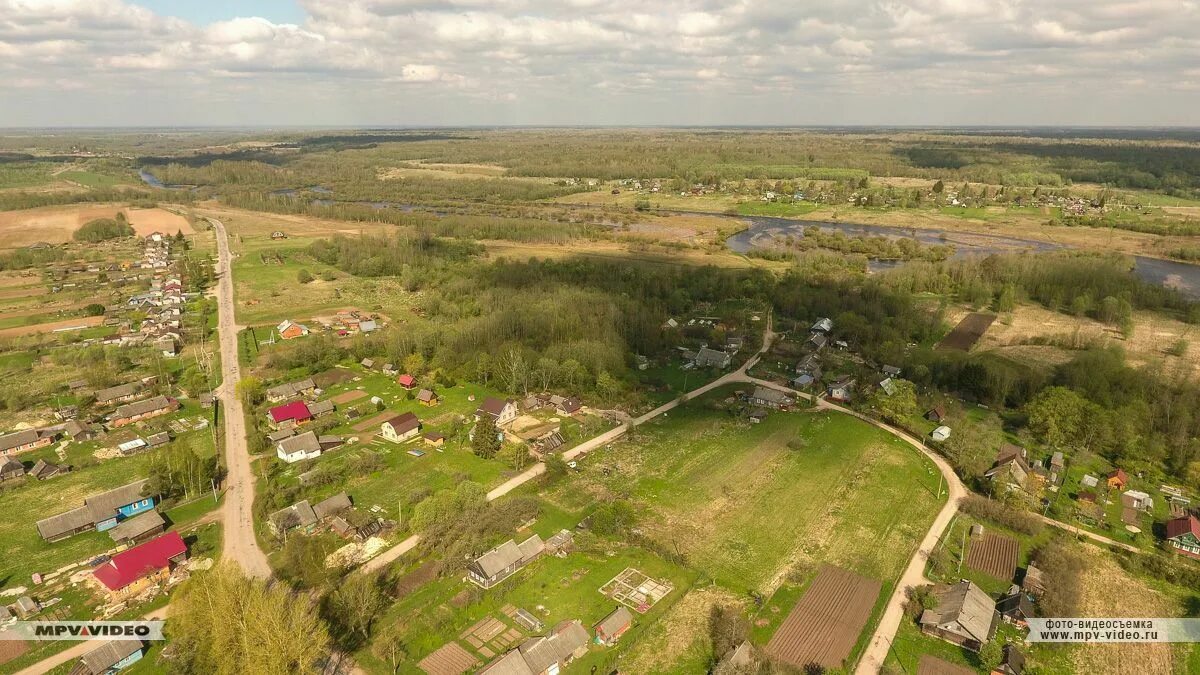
[[304, 277], [102, 229], [999, 513]]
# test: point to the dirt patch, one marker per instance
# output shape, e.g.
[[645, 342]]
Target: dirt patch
[[83, 322], [348, 396], [1134, 599], [967, 332], [372, 422], [147, 221], [11, 649], [683, 628], [449, 659], [994, 554], [54, 224], [332, 376], [825, 624]]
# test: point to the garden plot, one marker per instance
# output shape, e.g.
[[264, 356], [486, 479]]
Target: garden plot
[[636, 590], [825, 624], [994, 554]]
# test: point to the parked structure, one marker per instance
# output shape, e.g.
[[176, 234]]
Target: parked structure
[[297, 448], [503, 561], [964, 615], [547, 654], [100, 512], [612, 627], [503, 412], [143, 410], [29, 439], [401, 427], [1183, 533], [130, 572]]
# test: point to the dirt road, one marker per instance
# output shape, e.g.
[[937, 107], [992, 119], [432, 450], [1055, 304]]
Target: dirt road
[[238, 509], [739, 375]]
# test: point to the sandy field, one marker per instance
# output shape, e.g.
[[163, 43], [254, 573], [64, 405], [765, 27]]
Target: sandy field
[[49, 327], [56, 224]]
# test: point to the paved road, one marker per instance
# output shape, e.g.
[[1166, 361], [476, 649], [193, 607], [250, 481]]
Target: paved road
[[238, 509]]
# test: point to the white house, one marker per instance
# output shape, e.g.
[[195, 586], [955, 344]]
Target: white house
[[401, 427], [297, 448], [502, 411]]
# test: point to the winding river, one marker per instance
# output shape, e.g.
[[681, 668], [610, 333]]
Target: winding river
[[764, 230]]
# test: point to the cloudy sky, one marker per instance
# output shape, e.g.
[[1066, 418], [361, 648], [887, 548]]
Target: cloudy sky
[[587, 62]]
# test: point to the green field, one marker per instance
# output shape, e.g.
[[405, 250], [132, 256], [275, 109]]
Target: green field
[[708, 483], [553, 589], [778, 209]]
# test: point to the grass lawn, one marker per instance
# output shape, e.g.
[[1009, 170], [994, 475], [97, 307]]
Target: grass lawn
[[553, 589], [28, 501], [708, 484], [778, 209], [94, 180]]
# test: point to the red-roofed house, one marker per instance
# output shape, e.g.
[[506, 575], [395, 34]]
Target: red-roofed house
[[407, 381], [1184, 534], [296, 411], [1118, 480], [130, 572]]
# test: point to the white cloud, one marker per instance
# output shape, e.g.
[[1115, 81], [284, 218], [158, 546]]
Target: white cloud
[[595, 61]]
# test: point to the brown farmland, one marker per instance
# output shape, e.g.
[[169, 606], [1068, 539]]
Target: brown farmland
[[826, 622], [994, 554], [449, 659], [967, 332]]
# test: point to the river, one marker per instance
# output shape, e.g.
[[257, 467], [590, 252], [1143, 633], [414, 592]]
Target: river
[[764, 230]]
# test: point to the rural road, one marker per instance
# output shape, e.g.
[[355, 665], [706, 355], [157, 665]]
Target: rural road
[[238, 538], [383, 559]]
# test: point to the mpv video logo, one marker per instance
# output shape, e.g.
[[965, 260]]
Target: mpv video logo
[[83, 630]]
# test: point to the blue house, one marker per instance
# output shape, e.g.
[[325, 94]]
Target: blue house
[[110, 657], [101, 512]]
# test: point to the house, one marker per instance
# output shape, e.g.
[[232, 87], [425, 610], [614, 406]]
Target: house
[[298, 515], [964, 615], [130, 572], [119, 394], [568, 406], [331, 506], [320, 408], [206, 399], [79, 431], [807, 379], [842, 390], [435, 439], [1015, 607], [10, 469], [711, 358], [43, 470], [109, 657], [503, 561], [367, 363], [547, 654], [143, 410], [427, 397], [1117, 480], [612, 627], [296, 412], [890, 371], [297, 448], [1033, 582], [101, 512], [822, 325], [888, 385], [161, 438], [1057, 462], [1183, 533], [407, 381], [389, 369], [401, 427], [27, 607], [1137, 500], [817, 342], [936, 414], [290, 330], [29, 439], [502, 411], [770, 398], [1089, 481], [282, 392], [1010, 465], [1012, 662], [139, 528]]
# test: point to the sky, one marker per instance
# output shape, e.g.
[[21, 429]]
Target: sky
[[599, 62]]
